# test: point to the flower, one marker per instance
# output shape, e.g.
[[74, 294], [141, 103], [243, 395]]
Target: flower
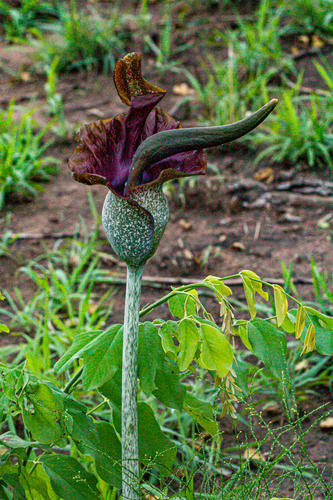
[[134, 153], [106, 147]]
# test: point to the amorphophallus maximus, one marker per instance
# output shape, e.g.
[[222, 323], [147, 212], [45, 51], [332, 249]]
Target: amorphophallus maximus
[[133, 154]]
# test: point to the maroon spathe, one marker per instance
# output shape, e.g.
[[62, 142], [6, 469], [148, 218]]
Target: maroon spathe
[[106, 147]]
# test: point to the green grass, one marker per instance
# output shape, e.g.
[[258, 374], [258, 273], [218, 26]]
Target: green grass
[[17, 21], [23, 164], [63, 304], [81, 42], [164, 50], [310, 16], [207, 470], [300, 130]]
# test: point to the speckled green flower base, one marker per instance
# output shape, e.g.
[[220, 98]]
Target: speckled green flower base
[[134, 226]]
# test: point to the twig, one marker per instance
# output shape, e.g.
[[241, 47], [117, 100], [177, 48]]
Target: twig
[[314, 51], [165, 282], [307, 90], [87, 105], [257, 230], [38, 236]]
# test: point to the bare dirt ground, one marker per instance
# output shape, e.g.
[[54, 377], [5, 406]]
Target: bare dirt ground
[[237, 217]]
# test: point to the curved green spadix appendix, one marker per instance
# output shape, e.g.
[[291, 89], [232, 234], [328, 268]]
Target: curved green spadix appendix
[[134, 153], [170, 142], [135, 222]]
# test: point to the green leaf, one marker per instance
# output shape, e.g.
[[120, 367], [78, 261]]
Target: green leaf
[[269, 344], [167, 331], [101, 442], [39, 473], [69, 479], [323, 326], [150, 356], [182, 304], [34, 487], [216, 352], [4, 328], [218, 286], [170, 391], [289, 322], [323, 335], [281, 304], [153, 444], [112, 389], [102, 358], [249, 294], [255, 283], [202, 413], [3, 494], [242, 332], [11, 440], [242, 370], [188, 338], [300, 321], [108, 456], [43, 413], [13, 380], [81, 341], [13, 480], [154, 447]]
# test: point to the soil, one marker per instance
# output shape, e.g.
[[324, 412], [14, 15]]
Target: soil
[[222, 223]]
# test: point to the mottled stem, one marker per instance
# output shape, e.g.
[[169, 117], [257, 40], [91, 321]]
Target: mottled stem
[[129, 409]]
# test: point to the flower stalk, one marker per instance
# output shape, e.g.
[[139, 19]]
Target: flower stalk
[[129, 410]]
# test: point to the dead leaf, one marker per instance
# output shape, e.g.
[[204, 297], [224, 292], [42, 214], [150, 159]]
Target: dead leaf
[[266, 174], [327, 423], [305, 39], [25, 76], [253, 454], [272, 407], [302, 365], [224, 471], [185, 224], [182, 89], [238, 245], [288, 217], [95, 112], [225, 222], [294, 51], [188, 254], [222, 238], [93, 307], [316, 42]]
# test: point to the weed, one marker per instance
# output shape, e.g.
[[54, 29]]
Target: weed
[[227, 96], [62, 305], [22, 164], [164, 50], [259, 466], [81, 42], [29, 14], [300, 130], [322, 288], [54, 100], [311, 16], [5, 241], [256, 46], [177, 188]]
